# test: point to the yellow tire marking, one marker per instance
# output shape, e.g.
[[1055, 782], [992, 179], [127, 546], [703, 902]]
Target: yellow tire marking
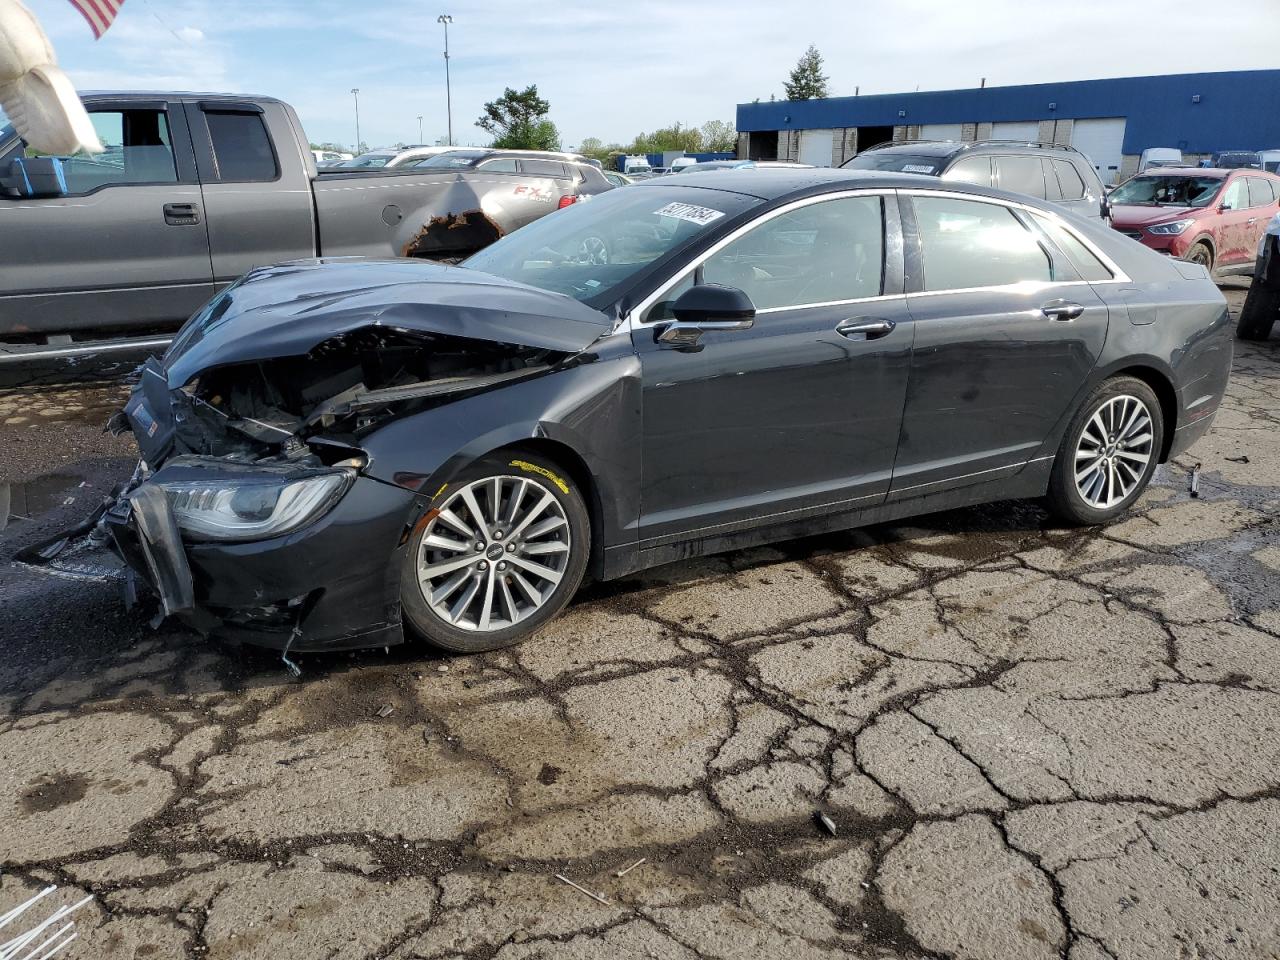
[[541, 471]]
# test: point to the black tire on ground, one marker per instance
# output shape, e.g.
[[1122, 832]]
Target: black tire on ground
[[543, 476], [1258, 316], [1064, 498], [1202, 254]]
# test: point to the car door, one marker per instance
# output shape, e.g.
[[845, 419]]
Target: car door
[[1262, 207], [1006, 333], [124, 246], [1232, 229], [798, 414], [260, 207], [1020, 174]]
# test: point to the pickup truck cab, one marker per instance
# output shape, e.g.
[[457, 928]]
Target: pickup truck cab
[[116, 250]]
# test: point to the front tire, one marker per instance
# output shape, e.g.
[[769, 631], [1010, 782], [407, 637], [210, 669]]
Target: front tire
[[1202, 254], [1108, 454], [1258, 315], [503, 548]]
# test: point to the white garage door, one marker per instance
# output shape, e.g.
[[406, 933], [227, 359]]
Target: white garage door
[[1026, 130], [941, 131], [1102, 141], [815, 147]]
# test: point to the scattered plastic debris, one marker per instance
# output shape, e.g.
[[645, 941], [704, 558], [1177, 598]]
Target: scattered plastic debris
[[593, 896], [386, 711], [38, 943], [1195, 482], [623, 873], [1243, 458], [826, 823]]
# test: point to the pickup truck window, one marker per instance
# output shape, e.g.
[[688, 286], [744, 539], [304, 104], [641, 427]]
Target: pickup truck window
[[241, 148], [137, 150], [505, 165], [543, 168]]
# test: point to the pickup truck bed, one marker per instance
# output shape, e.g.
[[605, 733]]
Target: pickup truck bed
[[195, 190]]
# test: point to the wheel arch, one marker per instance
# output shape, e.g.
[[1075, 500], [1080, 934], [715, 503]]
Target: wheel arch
[[1207, 239], [1163, 388]]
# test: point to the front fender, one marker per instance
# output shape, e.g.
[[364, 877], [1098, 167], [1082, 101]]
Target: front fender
[[593, 409]]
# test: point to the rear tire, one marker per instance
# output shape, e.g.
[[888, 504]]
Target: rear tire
[[503, 549], [1108, 453], [1258, 315], [1202, 254]]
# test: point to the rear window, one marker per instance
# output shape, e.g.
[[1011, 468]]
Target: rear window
[[241, 148], [896, 162], [1082, 258], [1070, 183], [543, 168], [1020, 175], [968, 244], [1260, 192], [453, 159]]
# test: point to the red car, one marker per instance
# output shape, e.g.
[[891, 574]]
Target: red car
[[1208, 216]]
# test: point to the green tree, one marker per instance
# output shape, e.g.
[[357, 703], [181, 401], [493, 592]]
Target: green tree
[[807, 81], [517, 120], [719, 136], [674, 137]]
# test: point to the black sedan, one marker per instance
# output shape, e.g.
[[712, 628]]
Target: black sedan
[[333, 448]]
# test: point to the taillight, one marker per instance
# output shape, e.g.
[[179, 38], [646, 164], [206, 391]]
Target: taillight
[[567, 201]]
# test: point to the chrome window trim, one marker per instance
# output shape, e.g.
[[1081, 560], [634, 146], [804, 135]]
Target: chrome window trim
[[632, 321], [1118, 275]]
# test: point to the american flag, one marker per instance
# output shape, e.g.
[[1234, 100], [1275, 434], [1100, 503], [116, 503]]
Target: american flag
[[99, 13]]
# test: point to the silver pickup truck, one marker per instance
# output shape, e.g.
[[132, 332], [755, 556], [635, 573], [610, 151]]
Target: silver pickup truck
[[114, 251]]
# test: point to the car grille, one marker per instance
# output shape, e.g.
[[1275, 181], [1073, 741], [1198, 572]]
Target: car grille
[[1132, 234]]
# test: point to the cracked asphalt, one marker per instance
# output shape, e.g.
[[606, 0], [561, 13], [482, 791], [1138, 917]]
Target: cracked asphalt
[[1032, 742]]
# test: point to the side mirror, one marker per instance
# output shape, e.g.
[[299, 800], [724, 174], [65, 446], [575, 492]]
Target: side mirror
[[1224, 206], [705, 308]]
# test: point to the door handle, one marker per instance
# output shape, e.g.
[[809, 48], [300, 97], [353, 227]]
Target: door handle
[[181, 214], [1251, 221], [865, 328], [1062, 310]]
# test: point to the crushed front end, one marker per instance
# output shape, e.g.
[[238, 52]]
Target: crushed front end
[[252, 514]]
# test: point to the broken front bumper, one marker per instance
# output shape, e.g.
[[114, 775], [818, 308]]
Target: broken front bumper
[[331, 585]]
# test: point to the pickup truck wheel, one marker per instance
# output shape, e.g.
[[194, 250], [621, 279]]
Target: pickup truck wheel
[[1259, 312], [503, 548], [1108, 454], [1202, 254]]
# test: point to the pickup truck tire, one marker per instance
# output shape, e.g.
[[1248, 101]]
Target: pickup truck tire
[[1258, 315], [501, 550]]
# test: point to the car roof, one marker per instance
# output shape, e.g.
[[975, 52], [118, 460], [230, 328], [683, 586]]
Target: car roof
[[782, 183], [949, 148]]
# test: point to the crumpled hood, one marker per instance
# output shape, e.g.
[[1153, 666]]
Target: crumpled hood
[[1140, 215], [288, 309]]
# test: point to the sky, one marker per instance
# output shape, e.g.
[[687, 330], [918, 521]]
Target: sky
[[613, 70]]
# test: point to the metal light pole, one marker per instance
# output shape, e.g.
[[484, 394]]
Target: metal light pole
[[355, 92], [445, 19], [419, 128]]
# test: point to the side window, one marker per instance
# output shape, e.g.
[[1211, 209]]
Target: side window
[[242, 150], [661, 310], [1237, 194], [1020, 175], [819, 253], [137, 150], [543, 168], [1260, 193], [970, 244], [503, 165], [976, 170], [1082, 258], [1069, 180]]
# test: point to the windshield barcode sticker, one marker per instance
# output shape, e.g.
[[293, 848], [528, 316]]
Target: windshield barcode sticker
[[691, 212]]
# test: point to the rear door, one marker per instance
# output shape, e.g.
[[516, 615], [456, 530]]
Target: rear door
[[1006, 333], [1020, 174], [1262, 207], [124, 247], [257, 191]]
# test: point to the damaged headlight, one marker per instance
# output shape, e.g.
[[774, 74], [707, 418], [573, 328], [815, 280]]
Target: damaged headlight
[[253, 508]]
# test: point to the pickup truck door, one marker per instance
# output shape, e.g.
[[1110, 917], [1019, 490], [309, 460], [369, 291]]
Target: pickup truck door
[[256, 182], [125, 245]]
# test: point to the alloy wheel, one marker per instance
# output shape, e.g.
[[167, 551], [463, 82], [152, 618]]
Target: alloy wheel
[[1113, 452], [493, 553]]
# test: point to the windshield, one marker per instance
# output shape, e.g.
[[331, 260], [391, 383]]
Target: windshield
[[896, 162], [590, 249], [1167, 190], [369, 160], [455, 158]]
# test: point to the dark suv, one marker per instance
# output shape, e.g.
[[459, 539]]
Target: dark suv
[[1046, 171]]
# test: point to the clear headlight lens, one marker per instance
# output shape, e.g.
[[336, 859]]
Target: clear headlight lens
[[1173, 228], [244, 508]]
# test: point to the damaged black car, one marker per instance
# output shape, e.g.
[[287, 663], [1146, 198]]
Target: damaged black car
[[333, 449]]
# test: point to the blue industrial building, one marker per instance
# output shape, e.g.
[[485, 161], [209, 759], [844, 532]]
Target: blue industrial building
[[1112, 121]]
